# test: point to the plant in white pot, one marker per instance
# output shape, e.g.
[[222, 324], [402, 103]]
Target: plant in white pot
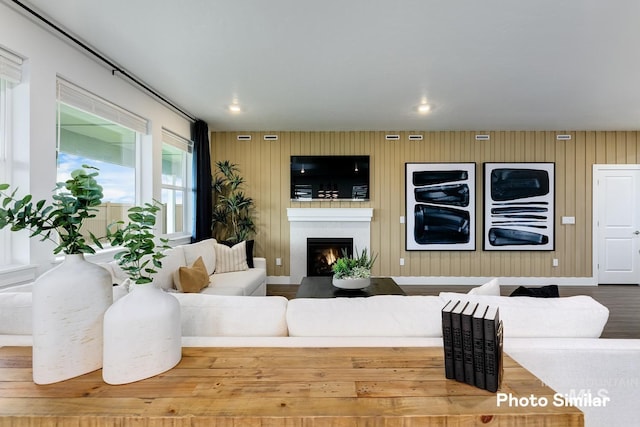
[[353, 272], [142, 332], [70, 299]]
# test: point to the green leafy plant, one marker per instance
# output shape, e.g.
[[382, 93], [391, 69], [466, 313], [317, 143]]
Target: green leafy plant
[[141, 256], [354, 267], [231, 219], [74, 201]]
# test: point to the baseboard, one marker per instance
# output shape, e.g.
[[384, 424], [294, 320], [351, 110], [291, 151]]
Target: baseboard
[[475, 281]]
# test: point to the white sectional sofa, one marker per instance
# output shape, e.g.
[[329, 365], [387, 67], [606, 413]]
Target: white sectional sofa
[[555, 338]]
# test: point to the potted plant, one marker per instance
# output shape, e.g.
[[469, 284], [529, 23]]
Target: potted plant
[[231, 221], [353, 272], [146, 321], [69, 300]]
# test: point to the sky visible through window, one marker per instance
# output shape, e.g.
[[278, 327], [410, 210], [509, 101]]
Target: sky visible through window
[[118, 182]]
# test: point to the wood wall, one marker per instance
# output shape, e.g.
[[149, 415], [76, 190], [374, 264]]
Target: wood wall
[[265, 165]]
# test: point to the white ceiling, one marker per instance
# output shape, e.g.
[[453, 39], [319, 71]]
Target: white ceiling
[[367, 64]]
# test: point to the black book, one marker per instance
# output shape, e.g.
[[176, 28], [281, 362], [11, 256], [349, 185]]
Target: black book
[[456, 329], [492, 354], [477, 326], [447, 339], [467, 342]]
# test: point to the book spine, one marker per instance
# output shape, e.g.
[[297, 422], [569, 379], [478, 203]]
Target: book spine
[[447, 338], [491, 355], [467, 348], [458, 358], [477, 325]]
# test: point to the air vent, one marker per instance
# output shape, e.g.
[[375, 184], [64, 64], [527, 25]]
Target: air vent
[[563, 137], [270, 137], [392, 137], [482, 137], [416, 137], [243, 137]]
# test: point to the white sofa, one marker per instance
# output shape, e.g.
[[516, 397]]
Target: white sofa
[[556, 339]]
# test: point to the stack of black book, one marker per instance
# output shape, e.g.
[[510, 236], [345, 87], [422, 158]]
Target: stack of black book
[[472, 335]]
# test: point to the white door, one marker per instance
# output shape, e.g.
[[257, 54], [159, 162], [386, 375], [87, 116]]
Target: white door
[[617, 223]]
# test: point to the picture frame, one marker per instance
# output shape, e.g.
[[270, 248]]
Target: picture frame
[[440, 200], [519, 206]]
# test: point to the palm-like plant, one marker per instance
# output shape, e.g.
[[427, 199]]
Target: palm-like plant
[[231, 219]]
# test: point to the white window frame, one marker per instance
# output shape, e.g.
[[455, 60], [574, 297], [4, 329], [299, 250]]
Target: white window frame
[[177, 141]]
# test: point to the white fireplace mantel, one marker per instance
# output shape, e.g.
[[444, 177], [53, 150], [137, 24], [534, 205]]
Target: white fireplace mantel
[[324, 222]]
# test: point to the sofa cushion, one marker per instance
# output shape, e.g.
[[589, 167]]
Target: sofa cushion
[[248, 280], [15, 313], [492, 287], [249, 250], [204, 249], [231, 258], [232, 316], [578, 316], [548, 291], [193, 278], [380, 315], [172, 261]]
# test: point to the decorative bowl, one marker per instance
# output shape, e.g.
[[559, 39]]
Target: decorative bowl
[[351, 283]]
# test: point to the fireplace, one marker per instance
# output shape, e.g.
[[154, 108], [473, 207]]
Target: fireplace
[[323, 252]]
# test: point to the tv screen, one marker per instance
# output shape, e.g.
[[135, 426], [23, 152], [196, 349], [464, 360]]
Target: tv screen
[[329, 178]]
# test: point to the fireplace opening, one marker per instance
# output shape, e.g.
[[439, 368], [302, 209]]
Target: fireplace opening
[[322, 253]]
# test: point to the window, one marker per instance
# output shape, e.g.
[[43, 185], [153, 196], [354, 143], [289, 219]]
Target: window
[[94, 132], [10, 75], [176, 179]]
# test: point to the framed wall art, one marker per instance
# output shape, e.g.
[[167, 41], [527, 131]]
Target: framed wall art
[[440, 203], [519, 206]]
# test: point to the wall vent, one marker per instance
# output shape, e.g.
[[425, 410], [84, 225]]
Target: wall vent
[[243, 137], [563, 137], [483, 137], [392, 137], [270, 137], [416, 137]]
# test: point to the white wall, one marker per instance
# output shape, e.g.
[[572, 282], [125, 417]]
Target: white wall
[[34, 164]]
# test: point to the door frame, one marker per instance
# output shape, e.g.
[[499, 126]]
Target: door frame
[[598, 169]]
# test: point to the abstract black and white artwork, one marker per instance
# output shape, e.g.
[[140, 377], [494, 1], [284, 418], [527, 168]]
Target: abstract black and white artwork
[[440, 203], [519, 206]]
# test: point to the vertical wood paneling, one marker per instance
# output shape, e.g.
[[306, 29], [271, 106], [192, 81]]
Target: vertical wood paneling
[[265, 165]]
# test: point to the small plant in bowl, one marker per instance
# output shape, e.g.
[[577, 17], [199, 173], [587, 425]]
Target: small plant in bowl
[[353, 272]]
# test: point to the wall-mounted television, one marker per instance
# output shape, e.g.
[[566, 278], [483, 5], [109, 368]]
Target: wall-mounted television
[[329, 178]]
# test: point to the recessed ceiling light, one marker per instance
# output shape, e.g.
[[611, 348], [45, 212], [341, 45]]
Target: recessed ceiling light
[[424, 108], [235, 108]]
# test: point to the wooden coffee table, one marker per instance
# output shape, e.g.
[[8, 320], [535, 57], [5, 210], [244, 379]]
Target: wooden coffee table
[[321, 287], [278, 387]]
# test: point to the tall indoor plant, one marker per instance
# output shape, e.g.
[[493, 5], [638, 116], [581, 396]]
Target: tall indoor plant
[[146, 321], [69, 300], [232, 211]]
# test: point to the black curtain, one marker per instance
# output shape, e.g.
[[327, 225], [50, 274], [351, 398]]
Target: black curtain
[[201, 181]]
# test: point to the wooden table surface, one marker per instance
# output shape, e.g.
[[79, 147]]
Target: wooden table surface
[[294, 387], [321, 287]]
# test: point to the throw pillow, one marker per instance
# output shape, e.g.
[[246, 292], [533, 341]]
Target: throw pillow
[[249, 250], [549, 291], [192, 279], [231, 258], [492, 287]]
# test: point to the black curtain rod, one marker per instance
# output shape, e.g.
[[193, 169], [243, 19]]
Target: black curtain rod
[[114, 67]]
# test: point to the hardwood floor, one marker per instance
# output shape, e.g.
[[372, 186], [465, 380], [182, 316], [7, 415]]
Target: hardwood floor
[[623, 302]]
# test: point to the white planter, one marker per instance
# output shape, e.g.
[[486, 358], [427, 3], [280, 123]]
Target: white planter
[[69, 302], [142, 335], [351, 283]]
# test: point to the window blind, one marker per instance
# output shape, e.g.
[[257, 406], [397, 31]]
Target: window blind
[[77, 97], [10, 66], [175, 140]]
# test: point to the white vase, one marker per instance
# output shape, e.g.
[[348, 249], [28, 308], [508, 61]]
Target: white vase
[[351, 283], [69, 302], [142, 335]]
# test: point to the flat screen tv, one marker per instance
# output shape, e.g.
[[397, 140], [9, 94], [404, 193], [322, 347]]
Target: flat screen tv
[[330, 178]]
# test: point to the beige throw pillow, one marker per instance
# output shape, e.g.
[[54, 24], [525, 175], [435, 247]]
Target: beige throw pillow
[[231, 258], [192, 279]]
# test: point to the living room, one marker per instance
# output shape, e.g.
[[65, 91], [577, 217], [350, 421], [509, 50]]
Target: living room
[[540, 134]]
